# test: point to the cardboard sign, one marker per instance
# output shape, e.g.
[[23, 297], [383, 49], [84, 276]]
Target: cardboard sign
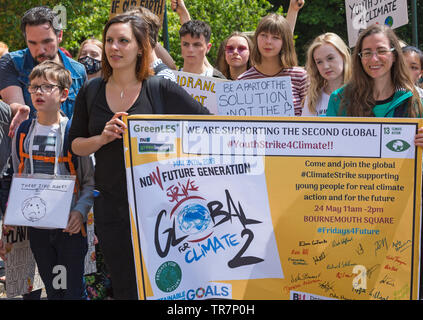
[[90, 265], [21, 269], [258, 97], [40, 201], [274, 208], [202, 89], [155, 6], [361, 14]]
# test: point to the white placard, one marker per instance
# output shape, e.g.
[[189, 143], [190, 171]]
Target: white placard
[[200, 88], [40, 201], [361, 14], [258, 97]]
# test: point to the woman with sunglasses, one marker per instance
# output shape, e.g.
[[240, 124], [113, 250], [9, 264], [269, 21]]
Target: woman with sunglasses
[[380, 85], [234, 55]]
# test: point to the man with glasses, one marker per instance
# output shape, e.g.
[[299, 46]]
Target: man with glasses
[[43, 34]]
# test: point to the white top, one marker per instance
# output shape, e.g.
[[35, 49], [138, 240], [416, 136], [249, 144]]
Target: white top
[[321, 107], [207, 73]]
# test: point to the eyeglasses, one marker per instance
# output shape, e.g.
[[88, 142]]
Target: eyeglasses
[[367, 54], [231, 49], [45, 88]]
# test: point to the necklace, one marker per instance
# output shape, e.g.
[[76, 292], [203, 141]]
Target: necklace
[[122, 91]]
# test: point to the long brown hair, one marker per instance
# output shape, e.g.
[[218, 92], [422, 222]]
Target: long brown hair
[[357, 100], [276, 24], [140, 31]]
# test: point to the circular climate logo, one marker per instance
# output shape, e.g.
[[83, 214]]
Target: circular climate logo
[[168, 276], [193, 219]]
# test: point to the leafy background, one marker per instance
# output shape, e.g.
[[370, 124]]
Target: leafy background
[[86, 18]]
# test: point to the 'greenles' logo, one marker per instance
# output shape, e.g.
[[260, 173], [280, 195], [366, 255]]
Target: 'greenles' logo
[[398, 145], [168, 276]]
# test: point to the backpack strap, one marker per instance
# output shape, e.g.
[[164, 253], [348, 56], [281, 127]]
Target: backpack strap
[[72, 164], [20, 137], [154, 93], [69, 160]]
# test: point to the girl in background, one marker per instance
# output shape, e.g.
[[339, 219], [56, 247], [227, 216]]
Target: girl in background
[[329, 67], [90, 56], [414, 59], [274, 56], [234, 55]]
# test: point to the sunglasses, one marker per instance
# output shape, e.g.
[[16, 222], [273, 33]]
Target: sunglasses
[[231, 49]]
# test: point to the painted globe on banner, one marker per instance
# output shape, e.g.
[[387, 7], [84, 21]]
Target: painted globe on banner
[[194, 218]]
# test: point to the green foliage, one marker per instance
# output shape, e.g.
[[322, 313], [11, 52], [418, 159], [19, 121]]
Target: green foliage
[[320, 16], [87, 18], [223, 16], [84, 19]]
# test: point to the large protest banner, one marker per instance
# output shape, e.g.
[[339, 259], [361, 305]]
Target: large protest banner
[[363, 13], [201, 88], [120, 6], [274, 208]]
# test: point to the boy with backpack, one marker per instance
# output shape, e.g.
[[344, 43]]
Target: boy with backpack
[[41, 146]]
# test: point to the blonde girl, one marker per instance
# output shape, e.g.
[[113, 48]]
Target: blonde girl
[[89, 55], [329, 67]]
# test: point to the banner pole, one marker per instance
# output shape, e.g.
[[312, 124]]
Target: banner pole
[[415, 39], [165, 30]]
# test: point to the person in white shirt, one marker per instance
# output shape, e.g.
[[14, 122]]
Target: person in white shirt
[[195, 44]]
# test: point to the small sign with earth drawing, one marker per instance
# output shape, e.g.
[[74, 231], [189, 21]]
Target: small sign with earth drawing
[[40, 201]]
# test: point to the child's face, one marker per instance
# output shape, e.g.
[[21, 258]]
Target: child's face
[[237, 52], [269, 44], [329, 62], [46, 95], [413, 62]]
